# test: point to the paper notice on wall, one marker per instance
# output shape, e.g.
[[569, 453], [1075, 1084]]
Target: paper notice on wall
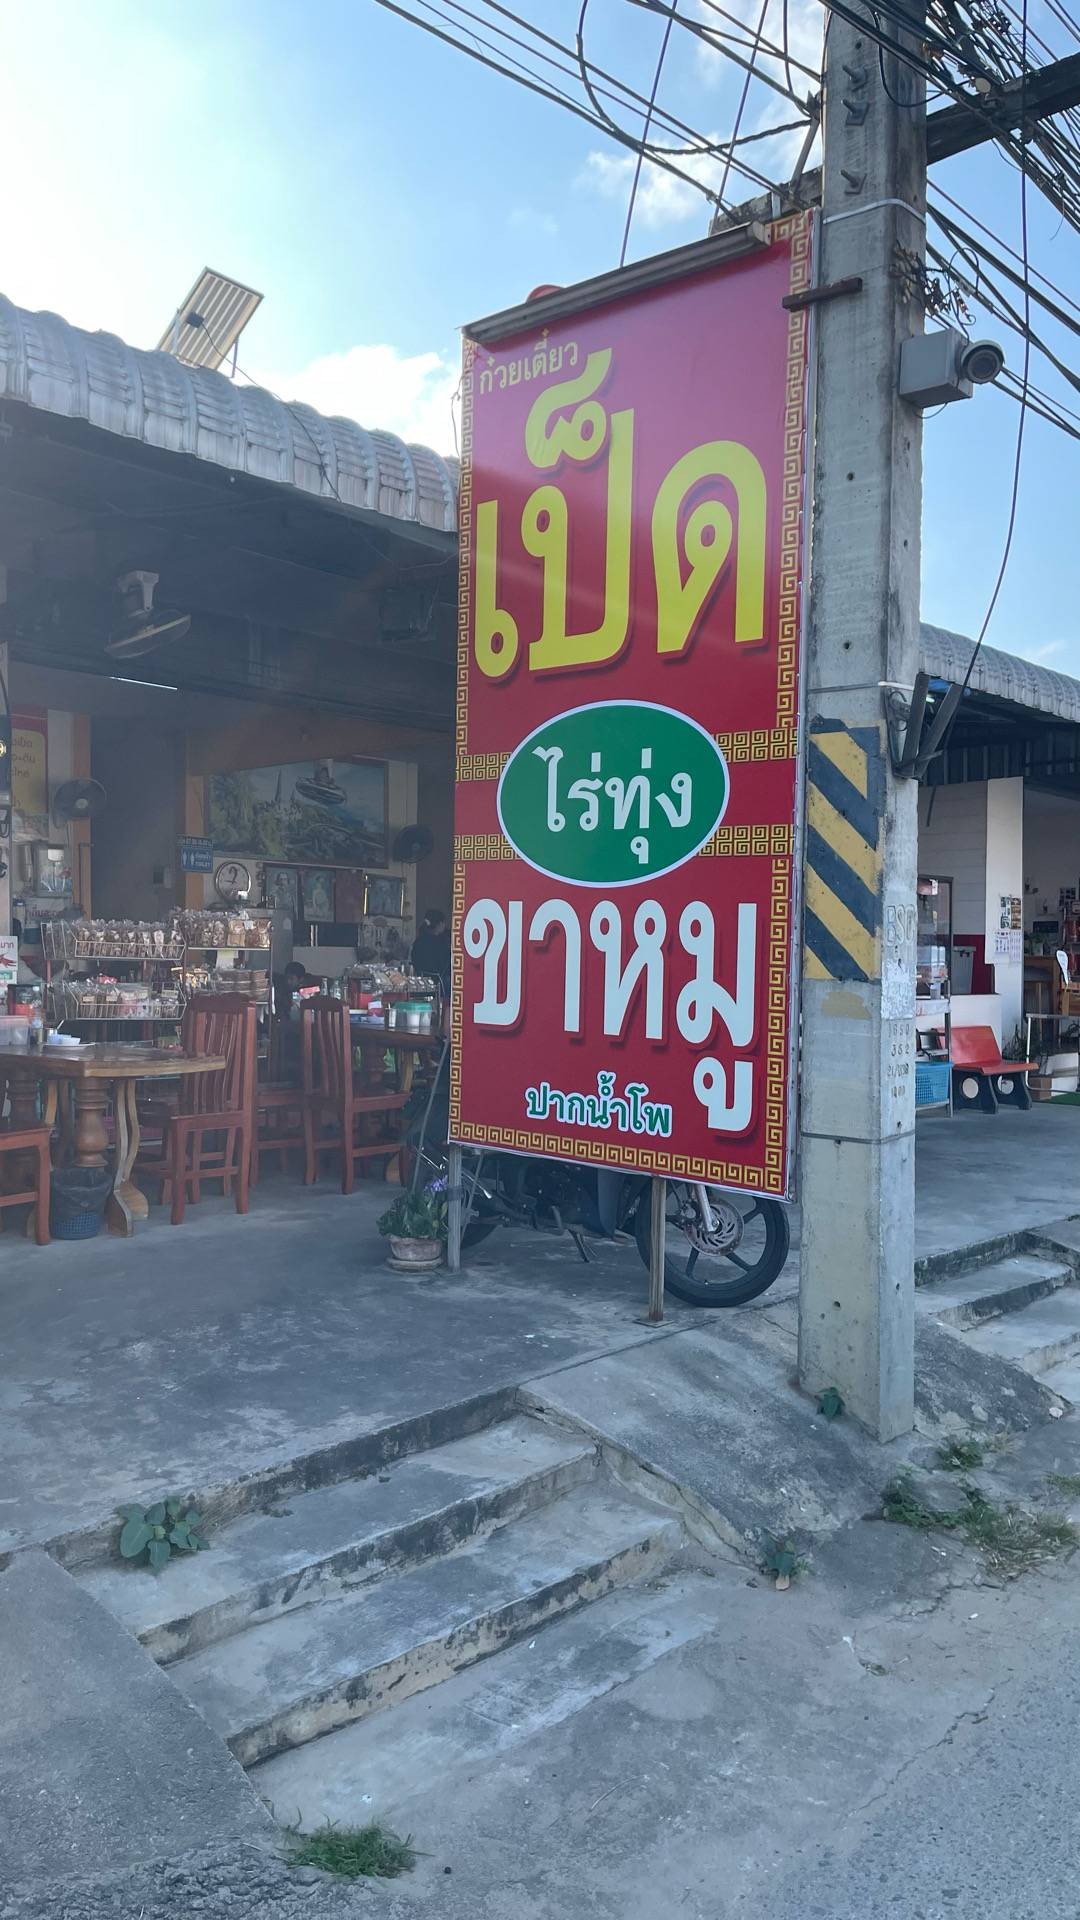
[[1008, 945], [9, 959], [30, 771]]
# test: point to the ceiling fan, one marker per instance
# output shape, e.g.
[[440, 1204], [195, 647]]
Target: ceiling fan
[[143, 628]]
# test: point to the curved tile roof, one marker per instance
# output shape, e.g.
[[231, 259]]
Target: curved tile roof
[[152, 397]]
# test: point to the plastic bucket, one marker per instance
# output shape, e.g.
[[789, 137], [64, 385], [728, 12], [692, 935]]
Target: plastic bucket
[[77, 1201]]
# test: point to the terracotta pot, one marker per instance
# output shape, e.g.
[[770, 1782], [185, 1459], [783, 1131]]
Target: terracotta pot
[[421, 1254]]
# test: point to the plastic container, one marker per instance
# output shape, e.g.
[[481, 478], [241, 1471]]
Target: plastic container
[[77, 1201], [14, 1029], [931, 1082]]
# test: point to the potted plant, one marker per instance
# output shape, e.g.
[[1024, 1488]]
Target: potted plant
[[415, 1226]]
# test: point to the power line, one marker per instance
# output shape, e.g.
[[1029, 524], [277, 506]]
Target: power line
[[648, 118]]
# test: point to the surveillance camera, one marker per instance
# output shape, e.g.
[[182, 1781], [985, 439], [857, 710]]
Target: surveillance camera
[[981, 361]]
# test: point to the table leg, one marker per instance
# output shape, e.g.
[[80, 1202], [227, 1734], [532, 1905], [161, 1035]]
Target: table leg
[[90, 1144], [127, 1203]]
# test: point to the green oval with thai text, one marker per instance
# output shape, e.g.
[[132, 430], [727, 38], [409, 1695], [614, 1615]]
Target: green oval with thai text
[[610, 794]]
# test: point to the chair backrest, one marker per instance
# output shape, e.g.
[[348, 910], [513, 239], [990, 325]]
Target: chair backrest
[[328, 1059], [222, 1023], [971, 1046]]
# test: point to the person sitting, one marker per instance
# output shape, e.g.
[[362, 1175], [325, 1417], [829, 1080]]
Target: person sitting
[[430, 954]]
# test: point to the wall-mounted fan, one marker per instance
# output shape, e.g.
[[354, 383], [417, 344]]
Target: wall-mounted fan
[[413, 844], [143, 628], [78, 800]]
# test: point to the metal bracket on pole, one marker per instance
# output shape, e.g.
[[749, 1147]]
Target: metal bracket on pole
[[453, 1228], [912, 744], [657, 1251]]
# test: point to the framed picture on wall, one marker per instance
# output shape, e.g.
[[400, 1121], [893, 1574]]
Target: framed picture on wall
[[317, 893], [384, 896], [333, 812], [280, 889], [349, 894]]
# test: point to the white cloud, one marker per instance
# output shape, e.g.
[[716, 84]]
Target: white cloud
[[805, 27], [1044, 652], [662, 197], [406, 394]]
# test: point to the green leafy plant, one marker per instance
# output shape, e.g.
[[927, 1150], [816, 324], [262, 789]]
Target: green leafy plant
[[831, 1404], [960, 1456], [781, 1560], [154, 1534], [415, 1216], [1064, 1482], [353, 1852], [1011, 1539]]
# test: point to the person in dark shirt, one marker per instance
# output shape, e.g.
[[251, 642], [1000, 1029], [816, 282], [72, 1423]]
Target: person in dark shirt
[[431, 949]]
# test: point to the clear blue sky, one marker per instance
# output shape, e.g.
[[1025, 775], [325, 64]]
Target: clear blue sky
[[381, 190]]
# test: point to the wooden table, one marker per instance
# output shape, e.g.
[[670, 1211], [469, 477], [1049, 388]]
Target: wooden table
[[94, 1073], [408, 1045]]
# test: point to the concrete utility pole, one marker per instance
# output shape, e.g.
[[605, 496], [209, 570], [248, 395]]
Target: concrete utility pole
[[856, 1307]]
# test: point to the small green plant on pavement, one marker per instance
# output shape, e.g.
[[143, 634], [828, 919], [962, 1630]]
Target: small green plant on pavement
[[353, 1853], [1065, 1482], [831, 1403], [960, 1456], [154, 1534], [781, 1560], [1011, 1539]]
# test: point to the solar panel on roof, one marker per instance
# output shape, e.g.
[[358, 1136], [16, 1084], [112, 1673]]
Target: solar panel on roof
[[209, 322]]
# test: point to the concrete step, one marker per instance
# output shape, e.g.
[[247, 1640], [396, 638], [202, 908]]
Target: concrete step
[[293, 1678], [378, 1768], [1037, 1336], [1064, 1378], [312, 1546], [966, 1300]]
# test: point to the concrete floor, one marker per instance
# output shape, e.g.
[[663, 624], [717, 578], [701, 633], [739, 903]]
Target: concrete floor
[[184, 1357]]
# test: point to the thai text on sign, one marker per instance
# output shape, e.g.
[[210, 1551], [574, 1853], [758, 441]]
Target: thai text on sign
[[632, 525]]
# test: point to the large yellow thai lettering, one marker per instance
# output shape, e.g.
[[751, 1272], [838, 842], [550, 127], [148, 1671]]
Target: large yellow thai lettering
[[582, 436], [544, 534], [496, 632], [708, 538]]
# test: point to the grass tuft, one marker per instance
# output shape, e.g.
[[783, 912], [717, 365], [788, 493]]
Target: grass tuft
[[353, 1853], [1065, 1482], [960, 1456], [1011, 1539]]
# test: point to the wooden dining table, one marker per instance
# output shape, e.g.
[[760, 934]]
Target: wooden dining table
[[96, 1074], [407, 1044]]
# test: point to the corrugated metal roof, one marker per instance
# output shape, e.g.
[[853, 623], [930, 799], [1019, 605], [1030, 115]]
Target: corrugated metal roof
[[151, 397], [1002, 675]]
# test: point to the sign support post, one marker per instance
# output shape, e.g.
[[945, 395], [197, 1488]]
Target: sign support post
[[453, 1211], [657, 1251]]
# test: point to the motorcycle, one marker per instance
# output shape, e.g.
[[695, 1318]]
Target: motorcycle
[[721, 1248]]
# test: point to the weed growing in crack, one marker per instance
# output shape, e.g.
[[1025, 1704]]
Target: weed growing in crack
[[1065, 1482], [353, 1853], [960, 1456], [1011, 1539]]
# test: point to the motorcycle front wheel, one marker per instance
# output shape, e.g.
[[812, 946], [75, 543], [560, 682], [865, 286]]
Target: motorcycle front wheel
[[725, 1261]]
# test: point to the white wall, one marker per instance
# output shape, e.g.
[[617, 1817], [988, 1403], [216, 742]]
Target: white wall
[[1004, 875], [1051, 852], [953, 846], [976, 838]]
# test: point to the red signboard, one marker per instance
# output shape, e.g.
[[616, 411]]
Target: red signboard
[[632, 489]]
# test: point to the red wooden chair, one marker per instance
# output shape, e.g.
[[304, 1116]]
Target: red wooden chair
[[280, 1103], [32, 1142], [981, 1078], [209, 1136], [333, 1099]]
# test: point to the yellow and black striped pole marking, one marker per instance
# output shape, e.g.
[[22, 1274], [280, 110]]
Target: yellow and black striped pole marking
[[845, 799]]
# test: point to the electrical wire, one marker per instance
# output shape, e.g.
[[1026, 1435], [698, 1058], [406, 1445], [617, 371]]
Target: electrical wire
[[1014, 495], [648, 118], [741, 109]]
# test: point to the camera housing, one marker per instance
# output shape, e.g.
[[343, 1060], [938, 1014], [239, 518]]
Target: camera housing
[[944, 365]]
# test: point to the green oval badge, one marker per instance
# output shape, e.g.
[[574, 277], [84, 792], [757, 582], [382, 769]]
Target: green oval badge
[[608, 794]]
